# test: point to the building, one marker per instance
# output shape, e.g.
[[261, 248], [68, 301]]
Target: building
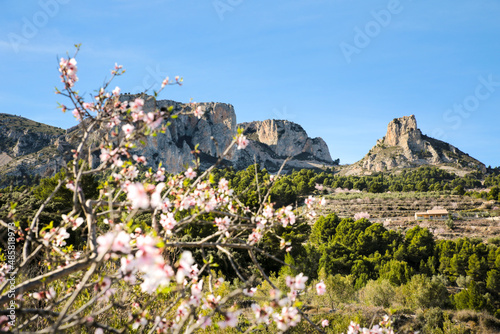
[[440, 214]]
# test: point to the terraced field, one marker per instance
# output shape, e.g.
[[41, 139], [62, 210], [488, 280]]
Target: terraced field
[[472, 217]]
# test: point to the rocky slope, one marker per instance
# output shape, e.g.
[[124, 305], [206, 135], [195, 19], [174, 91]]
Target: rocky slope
[[404, 146], [30, 148]]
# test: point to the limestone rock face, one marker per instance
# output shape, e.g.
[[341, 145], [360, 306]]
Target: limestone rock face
[[286, 139], [402, 130], [213, 132], [404, 146], [272, 141]]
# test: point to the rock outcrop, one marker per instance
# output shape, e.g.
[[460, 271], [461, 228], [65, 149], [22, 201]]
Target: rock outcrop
[[404, 146], [272, 141]]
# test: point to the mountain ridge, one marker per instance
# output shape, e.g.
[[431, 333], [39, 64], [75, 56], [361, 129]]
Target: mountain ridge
[[50, 147]]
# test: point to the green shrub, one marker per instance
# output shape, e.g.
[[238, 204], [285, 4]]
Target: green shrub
[[378, 293]]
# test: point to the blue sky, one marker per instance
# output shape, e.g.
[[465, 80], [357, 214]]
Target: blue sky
[[341, 68]]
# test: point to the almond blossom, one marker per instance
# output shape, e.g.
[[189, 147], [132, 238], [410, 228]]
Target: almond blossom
[[57, 236], [164, 82], [297, 282], [185, 264], [168, 222], [190, 173], [223, 223], [320, 288], [68, 70], [116, 91], [230, 319], [128, 129], [198, 112], [115, 243], [138, 195], [289, 317], [249, 292], [242, 142], [262, 314]]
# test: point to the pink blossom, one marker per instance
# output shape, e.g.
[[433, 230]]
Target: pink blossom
[[204, 322], [190, 173], [168, 222], [198, 112], [182, 312], [268, 211], [68, 70], [309, 201], [164, 82], [297, 282], [319, 187], [155, 277], [223, 184], [77, 114], [60, 236], [325, 323], [211, 302], [114, 243], [137, 105], [156, 201], [242, 142], [254, 237], [223, 223], [262, 313], [137, 194], [249, 292], [105, 155], [289, 317], [230, 320], [128, 129], [320, 288], [185, 264], [116, 91], [76, 223]]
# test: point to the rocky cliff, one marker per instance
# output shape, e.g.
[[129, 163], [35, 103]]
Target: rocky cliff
[[272, 141], [404, 146], [42, 150]]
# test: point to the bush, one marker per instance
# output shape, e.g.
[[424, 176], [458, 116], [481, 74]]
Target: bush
[[378, 293], [423, 292]]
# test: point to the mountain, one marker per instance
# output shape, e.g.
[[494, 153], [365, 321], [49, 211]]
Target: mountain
[[29, 148], [404, 146]]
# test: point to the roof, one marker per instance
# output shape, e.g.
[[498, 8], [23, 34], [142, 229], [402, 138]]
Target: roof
[[433, 212], [438, 212]]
